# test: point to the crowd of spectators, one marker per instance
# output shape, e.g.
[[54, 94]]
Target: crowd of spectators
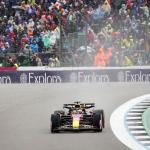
[[30, 31]]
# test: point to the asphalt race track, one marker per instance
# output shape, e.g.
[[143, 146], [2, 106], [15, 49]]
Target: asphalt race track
[[25, 111]]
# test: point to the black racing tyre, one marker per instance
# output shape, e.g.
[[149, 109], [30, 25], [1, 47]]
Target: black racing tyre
[[97, 122], [59, 112], [55, 122], [101, 111]]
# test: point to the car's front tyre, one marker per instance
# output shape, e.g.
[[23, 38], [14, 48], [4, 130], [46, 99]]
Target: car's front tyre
[[55, 123], [98, 120]]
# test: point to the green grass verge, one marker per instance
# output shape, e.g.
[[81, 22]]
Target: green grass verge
[[146, 120]]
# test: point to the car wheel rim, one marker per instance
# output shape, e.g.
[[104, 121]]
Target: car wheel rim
[[100, 123]]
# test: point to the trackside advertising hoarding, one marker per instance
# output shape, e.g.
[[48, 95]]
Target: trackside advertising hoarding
[[85, 75]]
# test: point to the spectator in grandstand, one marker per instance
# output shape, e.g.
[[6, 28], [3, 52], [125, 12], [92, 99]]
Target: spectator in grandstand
[[54, 62], [108, 56], [34, 47], [27, 49], [90, 36], [7, 47], [99, 60], [127, 42], [46, 41], [106, 8], [10, 61], [114, 60], [33, 60], [127, 61], [39, 62], [123, 11]]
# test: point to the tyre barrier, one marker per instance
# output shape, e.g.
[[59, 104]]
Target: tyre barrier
[[135, 125], [127, 123]]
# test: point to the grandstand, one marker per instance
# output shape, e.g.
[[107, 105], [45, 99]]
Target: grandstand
[[62, 33]]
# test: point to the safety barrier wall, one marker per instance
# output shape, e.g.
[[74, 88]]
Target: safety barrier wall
[[59, 75]]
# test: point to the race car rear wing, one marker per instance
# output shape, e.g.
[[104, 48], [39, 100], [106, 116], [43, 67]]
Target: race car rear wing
[[79, 105]]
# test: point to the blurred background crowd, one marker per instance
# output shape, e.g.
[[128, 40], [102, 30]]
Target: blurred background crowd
[[58, 33]]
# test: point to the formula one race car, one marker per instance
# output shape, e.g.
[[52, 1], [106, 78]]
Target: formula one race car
[[79, 116]]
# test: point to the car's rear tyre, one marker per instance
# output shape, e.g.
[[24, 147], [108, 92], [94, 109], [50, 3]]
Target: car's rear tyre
[[59, 112], [55, 123]]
